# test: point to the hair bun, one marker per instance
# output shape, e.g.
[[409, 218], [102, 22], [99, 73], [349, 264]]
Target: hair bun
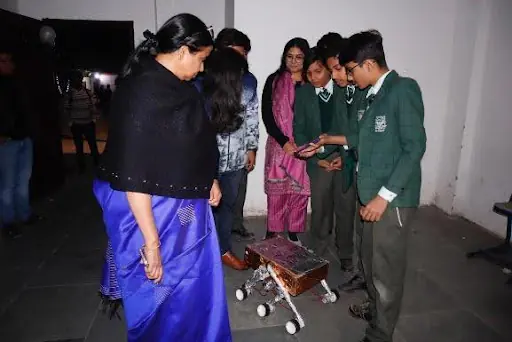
[[149, 35], [151, 42]]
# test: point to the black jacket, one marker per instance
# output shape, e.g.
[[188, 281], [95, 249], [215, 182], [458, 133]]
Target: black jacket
[[14, 114]]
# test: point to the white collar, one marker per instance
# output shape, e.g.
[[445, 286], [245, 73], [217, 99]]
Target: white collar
[[376, 87], [329, 87]]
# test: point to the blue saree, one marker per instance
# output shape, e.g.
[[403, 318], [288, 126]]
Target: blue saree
[[189, 305]]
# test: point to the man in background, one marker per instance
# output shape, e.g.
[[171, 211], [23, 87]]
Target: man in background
[[16, 150], [80, 116]]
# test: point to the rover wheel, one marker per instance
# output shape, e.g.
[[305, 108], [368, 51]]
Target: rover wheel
[[263, 310], [292, 327], [241, 294]]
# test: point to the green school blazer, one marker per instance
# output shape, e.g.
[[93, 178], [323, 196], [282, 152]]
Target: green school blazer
[[390, 139], [307, 126]]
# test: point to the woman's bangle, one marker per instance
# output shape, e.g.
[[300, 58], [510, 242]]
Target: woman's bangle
[[152, 248]]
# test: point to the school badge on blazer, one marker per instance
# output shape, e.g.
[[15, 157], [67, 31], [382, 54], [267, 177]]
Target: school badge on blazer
[[380, 124]]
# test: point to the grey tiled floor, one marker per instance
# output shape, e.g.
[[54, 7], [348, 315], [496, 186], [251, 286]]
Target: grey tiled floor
[[49, 282]]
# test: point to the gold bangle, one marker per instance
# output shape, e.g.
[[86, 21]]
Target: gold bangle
[[152, 249]]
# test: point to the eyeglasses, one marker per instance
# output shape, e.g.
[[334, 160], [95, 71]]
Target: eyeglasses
[[295, 58], [350, 71]]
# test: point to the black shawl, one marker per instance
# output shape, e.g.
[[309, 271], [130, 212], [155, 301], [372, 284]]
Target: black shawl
[[160, 139]]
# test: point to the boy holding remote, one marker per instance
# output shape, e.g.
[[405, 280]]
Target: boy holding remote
[[320, 107]]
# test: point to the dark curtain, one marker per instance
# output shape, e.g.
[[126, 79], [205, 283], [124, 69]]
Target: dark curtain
[[35, 66], [95, 45]]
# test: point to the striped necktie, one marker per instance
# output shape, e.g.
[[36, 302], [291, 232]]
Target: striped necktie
[[324, 95], [369, 100]]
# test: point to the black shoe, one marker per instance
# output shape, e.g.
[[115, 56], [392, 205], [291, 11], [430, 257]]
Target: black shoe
[[360, 311], [243, 233], [12, 231], [270, 235], [347, 265], [293, 237], [365, 340], [356, 283]]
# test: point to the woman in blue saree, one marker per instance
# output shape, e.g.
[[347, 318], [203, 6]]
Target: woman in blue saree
[[156, 185]]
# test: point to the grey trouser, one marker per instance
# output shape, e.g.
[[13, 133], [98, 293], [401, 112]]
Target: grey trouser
[[384, 259], [328, 202]]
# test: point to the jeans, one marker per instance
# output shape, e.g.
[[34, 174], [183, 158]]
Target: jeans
[[15, 172], [238, 220], [224, 214]]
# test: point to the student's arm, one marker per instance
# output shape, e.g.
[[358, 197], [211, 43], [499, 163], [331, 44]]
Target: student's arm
[[412, 137], [334, 140], [268, 116], [252, 133], [252, 119]]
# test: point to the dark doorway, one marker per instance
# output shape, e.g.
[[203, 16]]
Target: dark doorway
[[35, 68], [98, 51], [102, 46]]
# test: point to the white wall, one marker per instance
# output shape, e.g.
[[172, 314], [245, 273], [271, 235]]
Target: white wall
[[410, 53], [212, 12], [485, 171], [464, 40], [9, 5], [460, 53]]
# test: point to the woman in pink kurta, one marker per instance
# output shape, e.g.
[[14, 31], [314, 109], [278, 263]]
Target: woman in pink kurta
[[286, 180]]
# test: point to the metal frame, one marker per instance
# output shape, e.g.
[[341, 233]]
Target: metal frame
[[497, 254], [265, 273]]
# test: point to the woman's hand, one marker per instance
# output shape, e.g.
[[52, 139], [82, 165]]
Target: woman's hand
[[215, 194], [153, 264], [290, 148]]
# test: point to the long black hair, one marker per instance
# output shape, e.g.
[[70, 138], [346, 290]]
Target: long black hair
[[223, 87], [297, 42], [181, 30]]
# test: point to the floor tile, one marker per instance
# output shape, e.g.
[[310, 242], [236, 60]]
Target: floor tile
[[263, 334], [447, 297], [47, 314], [447, 326], [105, 329], [422, 295], [74, 267]]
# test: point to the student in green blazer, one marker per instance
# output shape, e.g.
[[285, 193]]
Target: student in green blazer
[[339, 75], [320, 107], [390, 141]]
